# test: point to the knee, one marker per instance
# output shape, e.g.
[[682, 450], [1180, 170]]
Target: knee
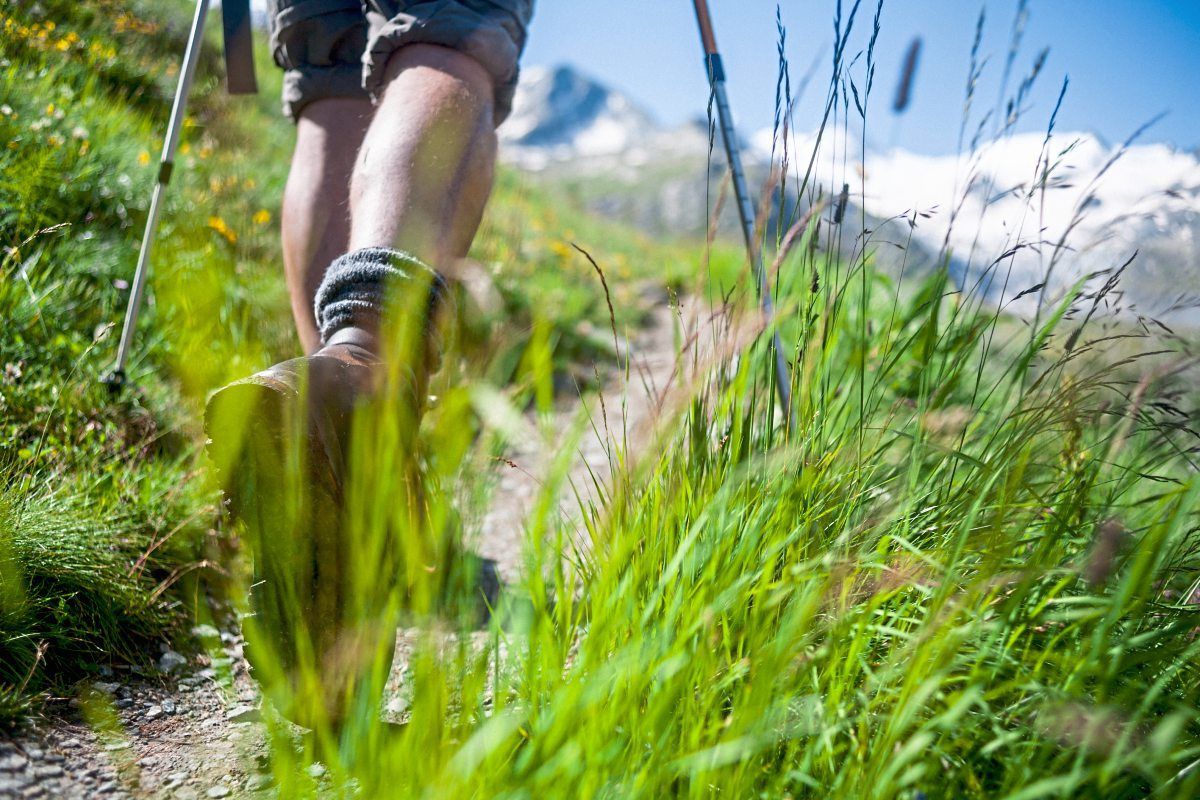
[[441, 65]]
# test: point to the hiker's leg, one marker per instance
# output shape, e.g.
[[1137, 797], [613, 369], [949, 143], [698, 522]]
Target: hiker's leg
[[319, 45], [425, 169], [316, 201], [442, 73]]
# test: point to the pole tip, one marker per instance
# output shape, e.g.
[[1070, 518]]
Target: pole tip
[[115, 380]]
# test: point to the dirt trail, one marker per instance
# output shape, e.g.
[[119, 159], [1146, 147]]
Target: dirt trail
[[193, 731]]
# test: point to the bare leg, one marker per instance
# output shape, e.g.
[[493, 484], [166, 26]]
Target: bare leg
[[422, 177], [316, 202], [425, 169]]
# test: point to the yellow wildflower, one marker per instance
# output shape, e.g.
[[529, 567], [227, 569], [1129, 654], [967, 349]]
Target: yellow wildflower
[[144, 158], [261, 217], [218, 225]]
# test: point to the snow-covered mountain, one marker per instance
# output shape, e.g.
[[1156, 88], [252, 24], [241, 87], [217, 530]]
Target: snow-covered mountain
[[561, 116], [1071, 200], [1071, 205]]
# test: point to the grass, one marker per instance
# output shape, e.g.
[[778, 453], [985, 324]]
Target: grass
[[107, 521], [968, 568]]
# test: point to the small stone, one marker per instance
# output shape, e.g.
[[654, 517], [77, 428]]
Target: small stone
[[34, 791], [71, 744], [168, 706], [186, 793], [106, 687], [34, 753], [10, 785], [242, 713], [12, 761], [316, 770], [45, 771], [257, 783], [108, 787], [170, 661], [218, 791], [124, 702], [206, 632], [153, 713], [113, 747]]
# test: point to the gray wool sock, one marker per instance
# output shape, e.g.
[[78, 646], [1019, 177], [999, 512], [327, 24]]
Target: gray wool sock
[[356, 286]]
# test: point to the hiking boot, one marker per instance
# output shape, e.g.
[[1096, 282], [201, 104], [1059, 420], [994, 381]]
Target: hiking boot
[[279, 440], [307, 400]]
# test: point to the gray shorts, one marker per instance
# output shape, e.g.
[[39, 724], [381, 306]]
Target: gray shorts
[[339, 48]]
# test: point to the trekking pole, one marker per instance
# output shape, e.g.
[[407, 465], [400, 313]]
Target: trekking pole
[[716, 82], [115, 379]]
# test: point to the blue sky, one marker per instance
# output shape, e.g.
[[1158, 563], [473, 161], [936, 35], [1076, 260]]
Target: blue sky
[[1128, 60]]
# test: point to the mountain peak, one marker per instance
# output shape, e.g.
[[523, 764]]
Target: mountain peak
[[560, 113]]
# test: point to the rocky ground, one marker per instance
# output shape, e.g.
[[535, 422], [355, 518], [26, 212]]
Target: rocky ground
[[192, 729]]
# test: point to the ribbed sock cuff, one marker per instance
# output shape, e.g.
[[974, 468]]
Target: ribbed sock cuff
[[356, 286]]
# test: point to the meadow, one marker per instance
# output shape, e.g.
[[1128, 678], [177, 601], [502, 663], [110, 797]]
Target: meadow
[[964, 564]]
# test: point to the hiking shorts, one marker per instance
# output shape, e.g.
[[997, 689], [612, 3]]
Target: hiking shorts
[[339, 48]]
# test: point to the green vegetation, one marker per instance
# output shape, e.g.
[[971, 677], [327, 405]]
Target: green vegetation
[[106, 519], [967, 569]]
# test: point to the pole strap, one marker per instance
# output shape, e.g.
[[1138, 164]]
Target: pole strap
[[239, 47]]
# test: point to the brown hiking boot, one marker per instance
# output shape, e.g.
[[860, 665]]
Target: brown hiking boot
[[279, 440]]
